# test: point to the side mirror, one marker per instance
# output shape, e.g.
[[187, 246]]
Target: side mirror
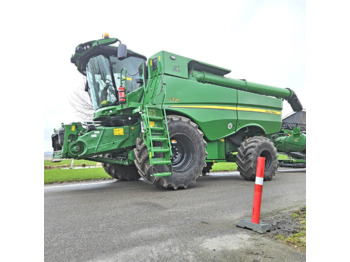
[[122, 51]]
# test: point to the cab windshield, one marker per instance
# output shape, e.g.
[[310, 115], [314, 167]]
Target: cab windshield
[[103, 85]]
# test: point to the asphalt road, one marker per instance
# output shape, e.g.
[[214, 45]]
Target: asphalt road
[[134, 221]]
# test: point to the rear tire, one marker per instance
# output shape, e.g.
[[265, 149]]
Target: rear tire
[[247, 157], [188, 158]]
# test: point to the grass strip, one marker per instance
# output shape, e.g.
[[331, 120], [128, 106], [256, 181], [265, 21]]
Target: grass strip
[[69, 175], [69, 161], [224, 166]]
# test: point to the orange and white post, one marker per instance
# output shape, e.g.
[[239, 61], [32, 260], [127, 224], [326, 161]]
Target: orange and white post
[[254, 223], [259, 180]]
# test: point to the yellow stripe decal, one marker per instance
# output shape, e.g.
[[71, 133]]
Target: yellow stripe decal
[[232, 108], [128, 78]]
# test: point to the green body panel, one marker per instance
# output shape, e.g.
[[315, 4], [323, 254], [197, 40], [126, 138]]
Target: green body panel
[[207, 119], [203, 104], [264, 113], [216, 150], [177, 67], [180, 66], [172, 84], [106, 139], [214, 107], [79, 143], [71, 133], [120, 110]]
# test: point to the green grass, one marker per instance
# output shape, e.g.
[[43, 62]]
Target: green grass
[[283, 157], [69, 175], [69, 161], [224, 166]]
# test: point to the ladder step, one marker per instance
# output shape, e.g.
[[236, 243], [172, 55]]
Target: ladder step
[[160, 161], [157, 128], [160, 149], [155, 117], [162, 174], [159, 138]]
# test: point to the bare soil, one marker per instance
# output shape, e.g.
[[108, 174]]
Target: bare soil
[[290, 228]]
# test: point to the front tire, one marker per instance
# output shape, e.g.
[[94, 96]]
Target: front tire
[[248, 154], [188, 155]]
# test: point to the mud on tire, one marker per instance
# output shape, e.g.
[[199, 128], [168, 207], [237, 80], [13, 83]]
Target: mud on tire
[[188, 158], [248, 154]]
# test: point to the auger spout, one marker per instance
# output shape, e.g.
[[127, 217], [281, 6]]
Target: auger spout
[[245, 85]]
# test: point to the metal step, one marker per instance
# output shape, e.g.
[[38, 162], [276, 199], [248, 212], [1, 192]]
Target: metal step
[[155, 128], [162, 174], [160, 161], [155, 118], [159, 138], [160, 149]]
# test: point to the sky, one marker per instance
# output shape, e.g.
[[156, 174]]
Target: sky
[[261, 41]]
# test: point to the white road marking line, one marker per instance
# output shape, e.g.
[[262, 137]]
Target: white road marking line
[[80, 184]]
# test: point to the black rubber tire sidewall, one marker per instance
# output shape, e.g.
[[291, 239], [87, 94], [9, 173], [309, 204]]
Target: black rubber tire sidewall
[[248, 153]]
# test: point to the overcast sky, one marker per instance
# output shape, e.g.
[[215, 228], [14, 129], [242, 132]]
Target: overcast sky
[[261, 41]]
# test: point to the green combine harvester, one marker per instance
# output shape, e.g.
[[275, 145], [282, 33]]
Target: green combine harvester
[[168, 118]]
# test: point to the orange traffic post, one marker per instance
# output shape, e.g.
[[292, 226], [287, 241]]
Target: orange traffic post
[[259, 180], [254, 223]]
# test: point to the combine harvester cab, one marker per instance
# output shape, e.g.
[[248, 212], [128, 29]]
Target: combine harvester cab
[[169, 118]]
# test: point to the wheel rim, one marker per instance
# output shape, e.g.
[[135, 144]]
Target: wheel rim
[[268, 158], [182, 155]]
